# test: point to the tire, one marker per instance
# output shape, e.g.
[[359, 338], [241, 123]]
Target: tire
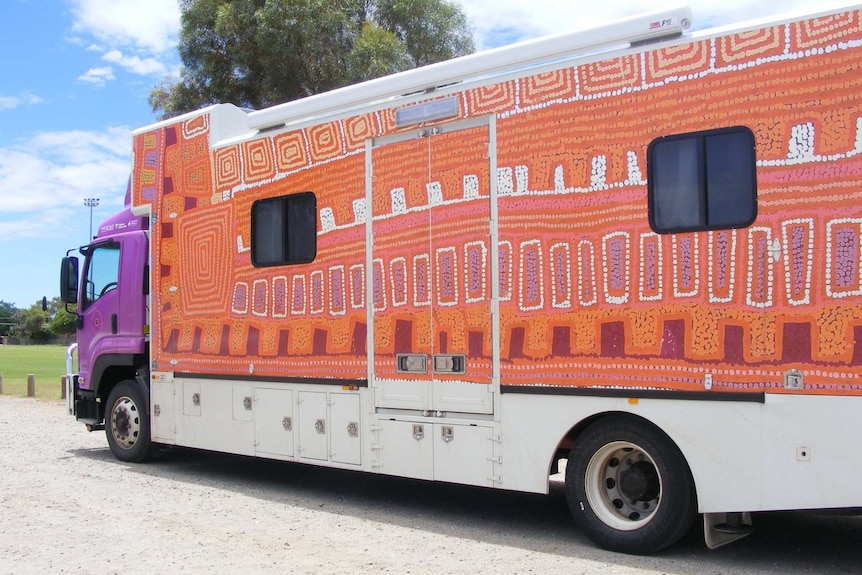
[[127, 423], [629, 487]]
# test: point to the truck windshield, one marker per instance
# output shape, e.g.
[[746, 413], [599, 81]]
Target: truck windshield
[[103, 266]]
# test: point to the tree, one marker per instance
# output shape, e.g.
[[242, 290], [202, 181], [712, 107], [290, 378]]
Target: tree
[[376, 52], [33, 323], [37, 323], [256, 53], [61, 322], [431, 30], [7, 316]]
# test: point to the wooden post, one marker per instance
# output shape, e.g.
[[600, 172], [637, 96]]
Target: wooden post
[[63, 387], [31, 385]]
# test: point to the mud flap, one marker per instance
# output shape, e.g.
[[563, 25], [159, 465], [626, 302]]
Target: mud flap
[[717, 531]]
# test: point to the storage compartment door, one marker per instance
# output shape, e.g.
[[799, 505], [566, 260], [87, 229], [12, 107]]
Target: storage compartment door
[[344, 433], [312, 425], [405, 449], [273, 422], [463, 454], [163, 417]]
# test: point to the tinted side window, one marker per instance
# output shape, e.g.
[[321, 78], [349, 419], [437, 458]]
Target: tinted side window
[[103, 265], [677, 182], [284, 230], [704, 180]]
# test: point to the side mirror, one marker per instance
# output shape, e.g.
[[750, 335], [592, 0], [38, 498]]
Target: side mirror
[[69, 280]]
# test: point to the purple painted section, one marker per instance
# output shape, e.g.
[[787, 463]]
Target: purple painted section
[[733, 344], [613, 339], [857, 346], [516, 343], [253, 345], [673, 339], [319, 342], [561, 344], [114, 323], [283, 337], [121, 223], [475, 344], [797, 343], [358, 343], [403, 336]]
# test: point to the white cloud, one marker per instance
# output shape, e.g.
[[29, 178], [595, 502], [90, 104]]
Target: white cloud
[[150, 26], [499, 22], [54, 171], [139, 37], [50, 221], [135, 64], [98, 76], [25, 99]]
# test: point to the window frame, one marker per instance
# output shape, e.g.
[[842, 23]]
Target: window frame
[[88, 285], [285, 200], [703, 179]]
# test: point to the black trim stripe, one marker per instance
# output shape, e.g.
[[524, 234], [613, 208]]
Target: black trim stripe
[[755, 397], [270, 379]]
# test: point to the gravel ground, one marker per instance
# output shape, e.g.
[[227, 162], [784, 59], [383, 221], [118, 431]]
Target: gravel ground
[[67, 506]]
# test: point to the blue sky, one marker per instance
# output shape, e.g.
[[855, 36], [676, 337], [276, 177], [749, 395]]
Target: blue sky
[[74, 79]]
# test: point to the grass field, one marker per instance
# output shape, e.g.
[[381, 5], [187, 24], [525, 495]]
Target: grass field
[[46, 362]]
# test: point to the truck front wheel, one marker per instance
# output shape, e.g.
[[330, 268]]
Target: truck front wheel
[[127, 423], [628, 486]]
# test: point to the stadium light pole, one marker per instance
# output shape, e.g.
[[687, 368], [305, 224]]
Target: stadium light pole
[[91, 203]]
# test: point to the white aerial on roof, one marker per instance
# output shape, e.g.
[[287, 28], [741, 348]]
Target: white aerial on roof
[[640, 28]]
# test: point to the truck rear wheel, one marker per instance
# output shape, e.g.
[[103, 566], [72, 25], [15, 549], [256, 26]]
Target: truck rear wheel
[[127, 423], [628, 486]]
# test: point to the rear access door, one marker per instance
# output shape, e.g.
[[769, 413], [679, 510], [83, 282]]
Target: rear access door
[[430, 271]]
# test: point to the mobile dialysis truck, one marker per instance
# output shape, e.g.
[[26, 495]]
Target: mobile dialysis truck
[[634, 248]]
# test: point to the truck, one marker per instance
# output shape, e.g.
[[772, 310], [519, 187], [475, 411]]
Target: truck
[[631, 254]]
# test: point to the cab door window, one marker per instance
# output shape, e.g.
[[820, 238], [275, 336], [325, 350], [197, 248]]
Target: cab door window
[[103, 265]]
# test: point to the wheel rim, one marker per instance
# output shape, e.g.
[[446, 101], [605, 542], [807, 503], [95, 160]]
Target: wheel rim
[[623, 486], [125, 422]]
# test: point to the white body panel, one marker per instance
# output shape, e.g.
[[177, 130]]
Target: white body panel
[[790, 452], [322, 425], [705, 431], [809, 447]]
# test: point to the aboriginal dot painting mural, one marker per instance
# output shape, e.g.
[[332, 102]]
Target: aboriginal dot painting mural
[[589, 294]]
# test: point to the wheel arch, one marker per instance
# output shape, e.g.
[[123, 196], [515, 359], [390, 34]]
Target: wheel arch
[[571, 437], [609, 504], [111, 369], [721, 440]]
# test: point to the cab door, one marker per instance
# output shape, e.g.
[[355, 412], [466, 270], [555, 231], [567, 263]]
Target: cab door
[[430, 260], [112, 301], [99, 302]]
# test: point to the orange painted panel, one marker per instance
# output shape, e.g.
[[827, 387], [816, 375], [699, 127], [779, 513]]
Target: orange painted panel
[[590, 296]]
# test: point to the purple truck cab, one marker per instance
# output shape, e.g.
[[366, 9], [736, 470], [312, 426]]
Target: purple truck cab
[[111, 294]]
